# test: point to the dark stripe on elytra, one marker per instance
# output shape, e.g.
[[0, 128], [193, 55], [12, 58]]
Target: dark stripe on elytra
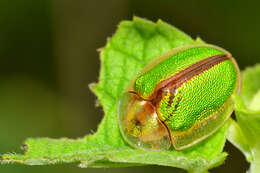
[[178, 79], [175, 108], [172, 94]]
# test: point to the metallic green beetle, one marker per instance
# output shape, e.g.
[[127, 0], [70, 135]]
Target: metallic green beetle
[[180, 98]]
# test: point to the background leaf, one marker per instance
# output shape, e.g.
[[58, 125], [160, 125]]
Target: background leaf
[[245, 133], [134, 45]]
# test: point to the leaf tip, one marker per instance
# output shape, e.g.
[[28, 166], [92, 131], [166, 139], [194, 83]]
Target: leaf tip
[[198, 40]]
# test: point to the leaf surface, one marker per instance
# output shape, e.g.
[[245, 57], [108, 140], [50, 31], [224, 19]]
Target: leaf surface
[[245, 133]]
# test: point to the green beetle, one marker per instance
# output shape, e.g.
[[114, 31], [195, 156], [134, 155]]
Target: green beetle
[[180, 98]]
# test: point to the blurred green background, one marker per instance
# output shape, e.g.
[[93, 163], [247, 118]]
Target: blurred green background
[[48, 58]]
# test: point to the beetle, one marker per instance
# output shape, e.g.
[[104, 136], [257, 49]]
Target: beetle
[[180, 98]]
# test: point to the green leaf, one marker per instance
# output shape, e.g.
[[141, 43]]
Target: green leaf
[[134, 45], [245, 133]]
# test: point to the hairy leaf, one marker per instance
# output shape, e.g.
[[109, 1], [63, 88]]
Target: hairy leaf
[[134, 45]]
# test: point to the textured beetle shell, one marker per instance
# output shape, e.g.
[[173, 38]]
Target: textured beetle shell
[[194, 104]]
